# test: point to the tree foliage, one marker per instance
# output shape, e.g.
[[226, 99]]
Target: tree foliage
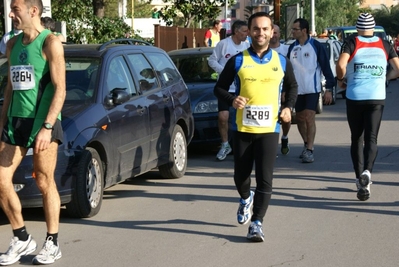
[[388, 17], [84, 26], [328, 13], [192, 11], [142, 9]]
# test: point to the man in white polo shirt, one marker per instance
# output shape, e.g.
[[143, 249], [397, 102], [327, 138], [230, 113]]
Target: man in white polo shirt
[[223, 51]]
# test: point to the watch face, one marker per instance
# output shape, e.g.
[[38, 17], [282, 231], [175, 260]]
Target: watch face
[[48, 125]]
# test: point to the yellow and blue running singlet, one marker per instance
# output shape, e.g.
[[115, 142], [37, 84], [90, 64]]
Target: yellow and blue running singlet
[[260, 80]]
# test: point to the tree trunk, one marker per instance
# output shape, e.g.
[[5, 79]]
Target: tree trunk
[[98, 7]]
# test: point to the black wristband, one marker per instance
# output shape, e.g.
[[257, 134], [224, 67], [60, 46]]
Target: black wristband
[[340, 79]]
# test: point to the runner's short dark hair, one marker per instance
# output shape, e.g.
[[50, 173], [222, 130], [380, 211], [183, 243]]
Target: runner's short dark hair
[[237, 25]]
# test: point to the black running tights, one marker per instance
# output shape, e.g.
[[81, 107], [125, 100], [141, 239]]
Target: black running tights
[[260, 149], [364, 123]]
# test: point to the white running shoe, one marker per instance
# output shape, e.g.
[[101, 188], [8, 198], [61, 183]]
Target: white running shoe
[[363, 193], [49, 253], [17, 249], [244, 209], [358, 186], [224, 151], [255, 232]]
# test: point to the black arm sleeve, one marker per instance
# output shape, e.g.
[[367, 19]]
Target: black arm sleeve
[[226, 78], [290, 86], [349, 46], [389, 49]]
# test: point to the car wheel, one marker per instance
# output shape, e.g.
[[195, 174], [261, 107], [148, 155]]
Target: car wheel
[[88, 192], [176, 167], [319, 108]]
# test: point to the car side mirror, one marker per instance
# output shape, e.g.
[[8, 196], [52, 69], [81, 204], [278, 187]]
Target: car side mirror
[[117, 96]]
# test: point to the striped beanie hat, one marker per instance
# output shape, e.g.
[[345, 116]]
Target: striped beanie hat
[[365, 22]]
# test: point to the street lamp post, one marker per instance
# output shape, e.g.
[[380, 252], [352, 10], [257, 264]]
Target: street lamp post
[[7, 20], [132, 15], [225, 12], [312, 15]]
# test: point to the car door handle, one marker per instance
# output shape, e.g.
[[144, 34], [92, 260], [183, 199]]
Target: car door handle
[[140, 110]]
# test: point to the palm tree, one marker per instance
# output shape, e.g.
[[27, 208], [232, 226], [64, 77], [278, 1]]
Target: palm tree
[[248, 10]]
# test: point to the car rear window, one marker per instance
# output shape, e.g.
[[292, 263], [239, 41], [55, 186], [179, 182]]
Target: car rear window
[[195, 68]]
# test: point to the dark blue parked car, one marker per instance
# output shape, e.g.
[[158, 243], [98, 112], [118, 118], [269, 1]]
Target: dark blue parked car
[[127, 111], [200, 79]]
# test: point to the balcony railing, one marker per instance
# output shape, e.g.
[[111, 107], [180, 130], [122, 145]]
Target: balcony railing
[[255, 3], [261, 2]]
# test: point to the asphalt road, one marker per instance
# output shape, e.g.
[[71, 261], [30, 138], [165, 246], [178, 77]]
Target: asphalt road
[[314, 218]]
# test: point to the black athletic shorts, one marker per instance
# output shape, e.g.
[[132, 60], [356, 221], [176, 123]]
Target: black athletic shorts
[[22, 128], [223, 106], [308, 101]]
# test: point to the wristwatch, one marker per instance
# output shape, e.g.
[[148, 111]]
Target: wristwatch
[[48, 126]]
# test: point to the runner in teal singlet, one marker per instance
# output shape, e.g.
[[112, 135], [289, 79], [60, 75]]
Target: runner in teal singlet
[[362, 70]]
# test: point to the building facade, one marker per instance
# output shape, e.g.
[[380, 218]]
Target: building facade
[[376, 4]]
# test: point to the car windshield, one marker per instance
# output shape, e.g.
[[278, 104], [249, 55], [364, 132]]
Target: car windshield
[[195, 68], [81, 78], [382, 35]]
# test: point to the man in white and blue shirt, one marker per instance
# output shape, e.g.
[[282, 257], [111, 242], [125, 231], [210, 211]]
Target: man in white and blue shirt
[[309, 60]]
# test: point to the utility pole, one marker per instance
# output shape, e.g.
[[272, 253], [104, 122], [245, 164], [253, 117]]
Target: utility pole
[[312, 15], [132, 15], [277, 4], [7, 20], [225, 11]]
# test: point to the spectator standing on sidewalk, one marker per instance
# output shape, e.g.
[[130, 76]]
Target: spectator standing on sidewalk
[[49, 23], [260, 73], [6, 37], [212, 36], [223, 51], [309, 60], [396, 44], [360, 57]]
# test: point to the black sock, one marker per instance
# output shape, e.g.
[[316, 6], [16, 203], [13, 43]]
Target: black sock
[[311, 150], [54, 238], [21, 233]]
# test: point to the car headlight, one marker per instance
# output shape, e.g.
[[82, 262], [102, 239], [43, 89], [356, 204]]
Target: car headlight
[[206, 106], [18, 187]]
